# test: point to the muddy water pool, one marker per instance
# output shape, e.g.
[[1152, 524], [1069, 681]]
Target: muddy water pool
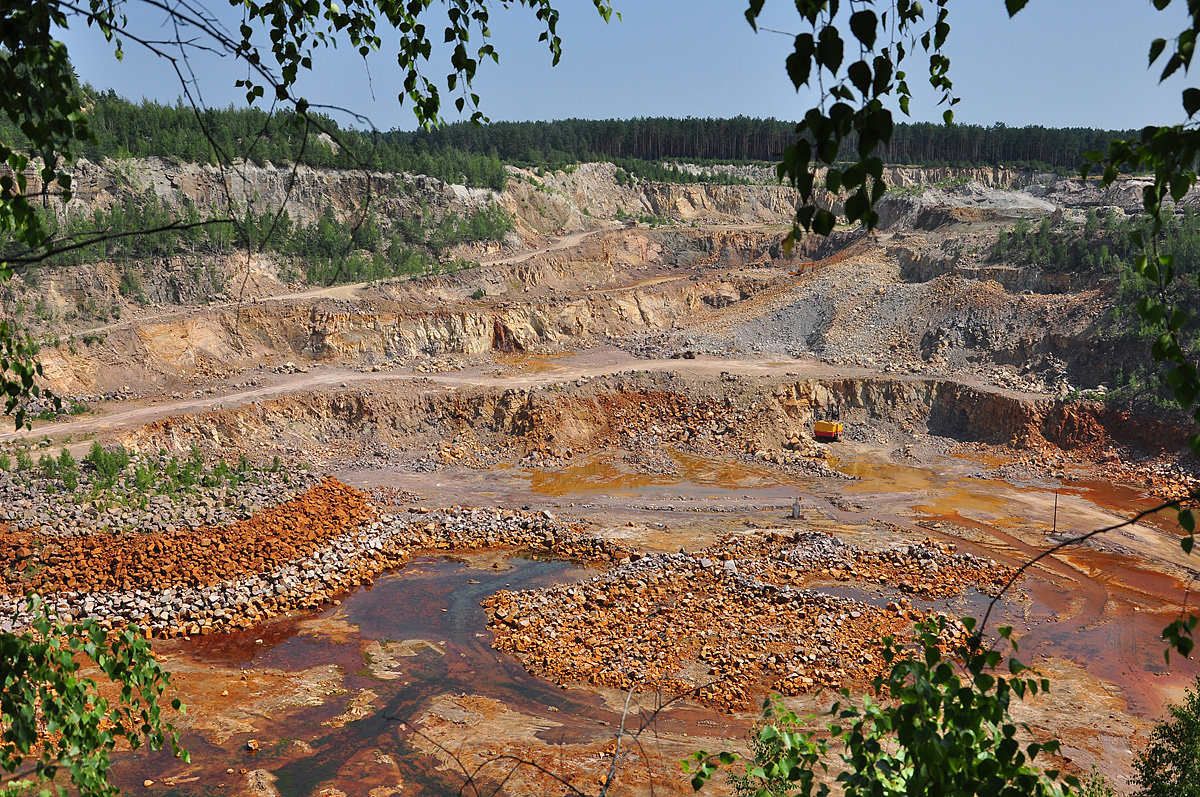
[[416, 634]]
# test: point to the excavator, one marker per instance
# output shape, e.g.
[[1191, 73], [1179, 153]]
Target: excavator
[[829, 428]]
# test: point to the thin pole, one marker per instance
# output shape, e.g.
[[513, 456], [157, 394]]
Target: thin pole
[[1054, 528]]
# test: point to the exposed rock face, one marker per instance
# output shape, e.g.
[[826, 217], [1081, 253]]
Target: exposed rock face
[[919, 296], [1125, 194], [593, 186], [924, 265], [715, 203], [305, 190], [934, 206], [428, 316], [734, 415]]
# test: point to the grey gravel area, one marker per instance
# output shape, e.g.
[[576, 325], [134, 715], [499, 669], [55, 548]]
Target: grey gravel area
[[32, 502]]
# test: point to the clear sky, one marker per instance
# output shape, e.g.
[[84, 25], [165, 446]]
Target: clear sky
[[1057, 63]]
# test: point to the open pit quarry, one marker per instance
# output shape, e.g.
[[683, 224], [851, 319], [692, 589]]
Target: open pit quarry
[[428, 535]]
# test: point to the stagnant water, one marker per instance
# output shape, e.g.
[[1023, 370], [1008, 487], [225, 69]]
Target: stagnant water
[[431, 599]]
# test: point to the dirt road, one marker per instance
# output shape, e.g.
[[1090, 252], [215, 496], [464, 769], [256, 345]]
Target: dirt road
[[129, 415]]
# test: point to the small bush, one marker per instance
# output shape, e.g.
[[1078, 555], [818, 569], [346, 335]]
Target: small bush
[[1096, 785], [143, 478], [68, 470], [1170, 763], [131, 285], [24, 460], [108, 463], [48, 465]]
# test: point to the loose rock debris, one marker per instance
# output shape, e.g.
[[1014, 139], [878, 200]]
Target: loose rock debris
[[733, 621], [297, 555]]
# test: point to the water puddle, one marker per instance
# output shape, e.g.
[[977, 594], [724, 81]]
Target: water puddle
[[414, 636], [1099, 605], [886, 477], [970, 604], [605, 474], [536, 363]]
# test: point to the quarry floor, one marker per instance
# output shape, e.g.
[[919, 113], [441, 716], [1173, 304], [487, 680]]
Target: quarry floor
[[396, 689]]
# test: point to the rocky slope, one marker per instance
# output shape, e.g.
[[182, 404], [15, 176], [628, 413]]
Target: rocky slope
[[920, 297]]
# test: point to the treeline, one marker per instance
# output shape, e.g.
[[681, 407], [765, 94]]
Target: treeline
[[122, 129], [327, 251], [475, 155], [744, 139]]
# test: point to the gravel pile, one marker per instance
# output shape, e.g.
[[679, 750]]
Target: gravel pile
[[726, 629]]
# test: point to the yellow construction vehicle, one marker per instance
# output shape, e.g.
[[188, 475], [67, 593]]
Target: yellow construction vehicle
[[829, 428]]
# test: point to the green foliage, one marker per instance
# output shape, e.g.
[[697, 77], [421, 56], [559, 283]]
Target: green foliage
[[1104, 243], [660, 172], [954, 731], [24, 460], [131, 285], [640, 146], [48, 465], [478, 294], [1096, 785], [108, 463], [785, 757], [91, 237], [143, 478], [1170, 153], [123, 129], [55, 720], [118, 478], [331, 250], [936, 726], [1169, 766], [5, 462], [852, 103], [1104, 248]]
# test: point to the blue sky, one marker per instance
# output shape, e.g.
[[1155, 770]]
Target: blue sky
[[1058, 63]]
